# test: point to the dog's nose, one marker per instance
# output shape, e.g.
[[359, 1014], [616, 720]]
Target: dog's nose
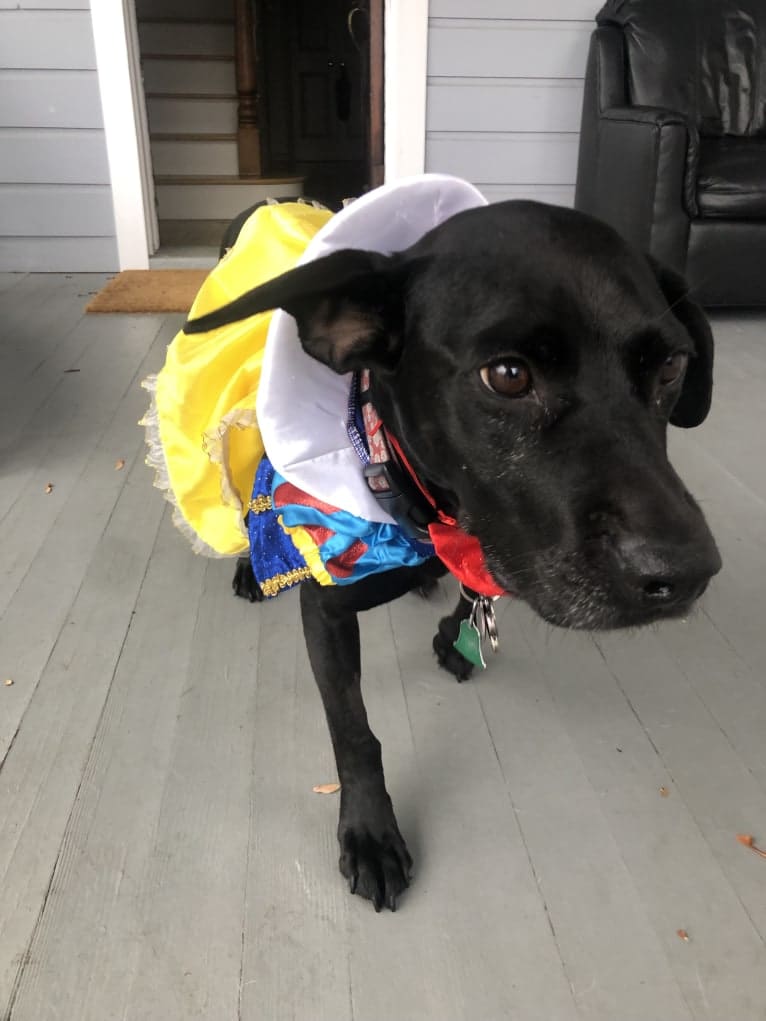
[[663, 575]]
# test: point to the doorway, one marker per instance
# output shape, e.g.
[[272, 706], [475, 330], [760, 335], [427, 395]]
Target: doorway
[[255, 99], [128, 144], [320, 78]]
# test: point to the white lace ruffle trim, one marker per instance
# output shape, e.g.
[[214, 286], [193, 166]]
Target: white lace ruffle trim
[[214, 444]]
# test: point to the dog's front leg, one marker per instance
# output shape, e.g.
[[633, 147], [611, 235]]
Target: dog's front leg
[[373, 855]]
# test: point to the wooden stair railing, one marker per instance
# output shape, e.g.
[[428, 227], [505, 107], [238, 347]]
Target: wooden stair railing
[[248, 135]]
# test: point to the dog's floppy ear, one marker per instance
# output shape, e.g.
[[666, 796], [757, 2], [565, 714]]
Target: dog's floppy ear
[[348, 306], [694, 402]]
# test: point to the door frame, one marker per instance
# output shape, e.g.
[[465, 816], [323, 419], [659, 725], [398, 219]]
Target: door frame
[[405, 68], [115, 37], [127, 136]]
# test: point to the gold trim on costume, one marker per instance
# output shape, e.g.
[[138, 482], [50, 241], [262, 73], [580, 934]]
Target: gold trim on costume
[[272, 586], [260, 504]]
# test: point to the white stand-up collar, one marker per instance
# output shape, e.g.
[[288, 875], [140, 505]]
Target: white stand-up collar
[[302, 405]]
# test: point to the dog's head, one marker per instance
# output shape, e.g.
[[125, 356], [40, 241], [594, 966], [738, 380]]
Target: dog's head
[[529, 361]]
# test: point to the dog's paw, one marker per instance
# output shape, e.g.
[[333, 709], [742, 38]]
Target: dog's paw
[[447, 654], [244, 584], [375, 862]]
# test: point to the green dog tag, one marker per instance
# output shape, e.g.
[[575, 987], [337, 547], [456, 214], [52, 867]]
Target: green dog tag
[[468, 644]]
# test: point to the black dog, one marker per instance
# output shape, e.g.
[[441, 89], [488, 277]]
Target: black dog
[[528, 362]]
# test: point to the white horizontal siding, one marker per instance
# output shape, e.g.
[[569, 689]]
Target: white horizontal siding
[[46, 39], [504, 94], [57, 255], [55, 197], [52, 157], [49, 99], [504, 158], [536, 10], [503, 104], [554, 194], [512, 49], [45, 5], [56, 210]]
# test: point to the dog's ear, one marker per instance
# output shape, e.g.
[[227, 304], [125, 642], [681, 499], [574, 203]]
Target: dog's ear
[[694, 402], [348, 306]]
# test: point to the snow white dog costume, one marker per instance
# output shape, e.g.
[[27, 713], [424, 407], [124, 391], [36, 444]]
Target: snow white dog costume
[[260, 447]]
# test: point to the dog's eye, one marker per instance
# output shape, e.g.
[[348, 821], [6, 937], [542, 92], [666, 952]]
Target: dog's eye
[[509, 378], [673, 368]]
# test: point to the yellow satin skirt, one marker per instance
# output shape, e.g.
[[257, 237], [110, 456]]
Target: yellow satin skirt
[[201, 428]]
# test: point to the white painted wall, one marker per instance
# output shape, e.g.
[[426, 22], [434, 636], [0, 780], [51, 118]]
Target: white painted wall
[[504, 93]]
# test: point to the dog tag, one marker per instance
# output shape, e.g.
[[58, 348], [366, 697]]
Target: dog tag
[[468, 643], [489, 621]]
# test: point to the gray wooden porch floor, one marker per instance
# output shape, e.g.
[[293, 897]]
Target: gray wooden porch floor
[[162, 855]]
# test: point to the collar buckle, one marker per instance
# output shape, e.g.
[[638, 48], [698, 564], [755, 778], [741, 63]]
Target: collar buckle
[[398, 496]]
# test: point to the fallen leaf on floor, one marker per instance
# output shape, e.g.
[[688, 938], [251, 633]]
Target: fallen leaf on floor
[[8, 682], [748, 841], [119, 465], [664, 792], [682, 934], [326, 788], [49, 488]]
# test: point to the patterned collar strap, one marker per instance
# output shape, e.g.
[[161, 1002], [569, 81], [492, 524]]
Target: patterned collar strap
[[395, 485]]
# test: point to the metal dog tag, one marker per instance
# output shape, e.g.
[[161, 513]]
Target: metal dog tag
[[481, 624], [468, 643], [489, 622]]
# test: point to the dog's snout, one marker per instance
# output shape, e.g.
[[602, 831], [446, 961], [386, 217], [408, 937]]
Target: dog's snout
[[664, 575], [653, 568]]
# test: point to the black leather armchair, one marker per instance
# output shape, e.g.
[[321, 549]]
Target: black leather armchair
[[673, 140]]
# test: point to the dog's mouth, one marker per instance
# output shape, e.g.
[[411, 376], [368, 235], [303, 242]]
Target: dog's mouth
[[566, 591]]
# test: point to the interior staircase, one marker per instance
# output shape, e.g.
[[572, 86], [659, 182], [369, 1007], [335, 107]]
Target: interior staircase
[[189, 74]]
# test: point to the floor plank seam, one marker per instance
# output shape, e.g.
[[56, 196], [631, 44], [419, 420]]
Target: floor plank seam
[[528, 853], [75, 596], [66, 333], [723, 468], [4, 758], [250, 831], [714, 718], [724, 637], [75, 799], [83, 777], [679, 985], [27, 954], [702, 836]]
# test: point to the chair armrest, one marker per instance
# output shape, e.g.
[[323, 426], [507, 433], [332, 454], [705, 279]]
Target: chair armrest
[[659, 117], [643, 183]]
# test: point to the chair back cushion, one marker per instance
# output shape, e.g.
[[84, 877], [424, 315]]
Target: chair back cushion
[[703, 58]]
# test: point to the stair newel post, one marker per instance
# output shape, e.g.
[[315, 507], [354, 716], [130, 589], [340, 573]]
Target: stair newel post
[[248, 136]]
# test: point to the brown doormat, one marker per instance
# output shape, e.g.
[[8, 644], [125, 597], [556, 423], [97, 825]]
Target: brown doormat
[[149, 290]]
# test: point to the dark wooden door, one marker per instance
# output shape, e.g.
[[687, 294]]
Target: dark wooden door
[[316, 89]]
